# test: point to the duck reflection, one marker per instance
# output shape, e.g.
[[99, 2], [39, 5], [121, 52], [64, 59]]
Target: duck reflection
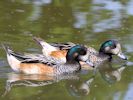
[[79, 87], [111, 74], [75, 85], [15, 79]]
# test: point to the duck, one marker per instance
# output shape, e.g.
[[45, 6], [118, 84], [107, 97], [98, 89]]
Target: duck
[[26, 64], [105, 53], [58, 51]]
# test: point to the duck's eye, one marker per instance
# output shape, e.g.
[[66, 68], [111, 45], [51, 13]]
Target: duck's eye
[[83, 52]]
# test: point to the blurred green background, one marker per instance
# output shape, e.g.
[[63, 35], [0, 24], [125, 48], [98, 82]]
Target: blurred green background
[[88, 22]]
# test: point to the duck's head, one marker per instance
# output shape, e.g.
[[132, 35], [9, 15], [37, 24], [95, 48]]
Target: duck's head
[[78, 53], [112, 47]]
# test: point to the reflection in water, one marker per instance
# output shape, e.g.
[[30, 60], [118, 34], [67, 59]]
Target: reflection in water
[[38, 2], [110, 74], [129, 93], [85, 86], [129, 46], [114, 13], [36, 13], [79, 88], [37, 8], [34, 80], [81, 19], [49, 20], [76, 86], [130, 7], [114, 21], [42, 2], [129, 63]]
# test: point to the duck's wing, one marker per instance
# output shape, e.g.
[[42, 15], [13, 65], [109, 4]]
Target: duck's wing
[[9, 52], [37, 58], [69, 45], [43, 60], [63, 46], [44, 44], [31, 58], [53, 46], [59, 46], [29, 55]]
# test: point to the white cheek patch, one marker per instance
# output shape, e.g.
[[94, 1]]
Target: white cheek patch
[[107, 49], [85, 57], [115, 51]]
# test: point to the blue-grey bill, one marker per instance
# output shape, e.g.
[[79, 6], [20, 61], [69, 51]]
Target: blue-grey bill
[[122, 56], [90, 63]]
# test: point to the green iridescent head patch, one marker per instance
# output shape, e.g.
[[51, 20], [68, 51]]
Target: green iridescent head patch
[[108, 43]]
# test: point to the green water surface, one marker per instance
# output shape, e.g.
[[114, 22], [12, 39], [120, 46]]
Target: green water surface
[[88, 22]]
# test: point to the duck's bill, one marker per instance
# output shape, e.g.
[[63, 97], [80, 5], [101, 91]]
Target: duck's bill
[[122, 56], [90, 63]]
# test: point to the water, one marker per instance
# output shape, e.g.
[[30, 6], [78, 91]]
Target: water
[[89, 22]]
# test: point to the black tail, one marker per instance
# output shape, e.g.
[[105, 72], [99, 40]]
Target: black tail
[[38, 40], [15, 54], [7, 49]]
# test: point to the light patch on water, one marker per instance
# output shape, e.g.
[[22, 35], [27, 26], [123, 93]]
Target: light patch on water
[[129, 48], [81, 19], [20, 10], [40, 2], [36, 13], [37, 2], [108, 4], [129, 63], [128, 45], [3, 63], [110, 23], [129, 93], [130, 7], [117, 96]]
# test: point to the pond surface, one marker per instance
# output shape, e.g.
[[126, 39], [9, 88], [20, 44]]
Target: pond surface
[[88, 22]]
